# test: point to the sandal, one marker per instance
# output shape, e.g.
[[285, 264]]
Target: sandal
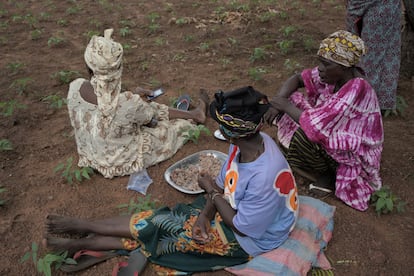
[[183, 102], [87, 258], [319, 192], [135, 264], [218, 135]]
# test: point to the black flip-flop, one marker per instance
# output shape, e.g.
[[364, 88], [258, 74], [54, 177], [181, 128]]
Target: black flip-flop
[[136, 264], [88, 258], [183, 102]]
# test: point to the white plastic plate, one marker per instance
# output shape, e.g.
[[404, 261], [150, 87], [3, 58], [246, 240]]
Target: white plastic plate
[[191, 159]]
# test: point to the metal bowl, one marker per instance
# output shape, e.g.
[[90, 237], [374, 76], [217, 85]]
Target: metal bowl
[[191, 160]]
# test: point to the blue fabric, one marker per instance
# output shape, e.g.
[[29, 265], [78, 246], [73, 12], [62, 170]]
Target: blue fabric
[[263, 212]]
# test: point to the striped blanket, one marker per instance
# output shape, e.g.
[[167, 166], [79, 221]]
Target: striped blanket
[[302, 250]]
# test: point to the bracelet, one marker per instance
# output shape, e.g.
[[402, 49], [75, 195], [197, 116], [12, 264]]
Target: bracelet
[[214, 194]]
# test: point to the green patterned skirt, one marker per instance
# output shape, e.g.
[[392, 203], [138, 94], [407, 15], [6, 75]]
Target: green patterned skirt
[[165, 236]]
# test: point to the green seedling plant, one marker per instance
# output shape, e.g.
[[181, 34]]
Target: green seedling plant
[[225, 61], [142, 204], [235, 5], [194, 134], [400, 107], [90, 34], [17, 18], [126, 46], [267, 16], [44, 265], [188, 38], [309, 43], [288, 30], [4, 24], [55, 101], [292, 65], [285, 46], [7, 108], [258, 54], [5, 145], [30, 20], [54, 41], [159, 41], [95, 22], [44, 16], [144, 66], [153, 26], [284, 15], [3, 12], [181, 21], [36, 34], [179, 57], [204, 46], [256, 73], [154, 83], [232, 41], [2, 190], [62, 22], [3, 40], [105, 4], [21, 84], [125, 31], [66, 76], [15, 67], [73, 10], [70, 174], [386, 202]]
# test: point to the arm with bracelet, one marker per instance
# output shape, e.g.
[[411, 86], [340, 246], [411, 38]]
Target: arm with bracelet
[[215, 197]]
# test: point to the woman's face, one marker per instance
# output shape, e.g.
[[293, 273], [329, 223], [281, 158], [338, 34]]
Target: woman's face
[[329, 71]]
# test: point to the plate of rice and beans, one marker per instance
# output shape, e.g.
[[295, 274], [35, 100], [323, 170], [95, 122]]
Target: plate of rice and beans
[[183, 175]]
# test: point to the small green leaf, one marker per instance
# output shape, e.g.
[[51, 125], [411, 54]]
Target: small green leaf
[[380, 204], [85, 174], [389, 204], [59, 167], [78, 175], [25, 257], [70, 261]]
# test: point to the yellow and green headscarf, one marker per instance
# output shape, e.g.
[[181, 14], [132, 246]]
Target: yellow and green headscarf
[[342, 47]]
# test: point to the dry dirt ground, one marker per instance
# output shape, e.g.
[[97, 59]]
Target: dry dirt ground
[[181, 46]]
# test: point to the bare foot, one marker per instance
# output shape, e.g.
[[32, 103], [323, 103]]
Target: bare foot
[[61, 245], [200, 112], [59, 225]]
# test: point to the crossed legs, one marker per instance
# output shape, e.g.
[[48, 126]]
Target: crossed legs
[[104, 234]]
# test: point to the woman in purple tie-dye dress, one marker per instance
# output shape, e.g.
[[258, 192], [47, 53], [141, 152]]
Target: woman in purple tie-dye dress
[[333, 129]]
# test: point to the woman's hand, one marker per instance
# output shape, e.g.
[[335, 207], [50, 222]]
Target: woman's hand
[[280, 103], [271, 115], [201, 228], [205, 182], [284, 105]]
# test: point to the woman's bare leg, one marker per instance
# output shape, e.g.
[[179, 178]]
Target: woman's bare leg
[[95, 243], [117, 226], [197, 114]]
